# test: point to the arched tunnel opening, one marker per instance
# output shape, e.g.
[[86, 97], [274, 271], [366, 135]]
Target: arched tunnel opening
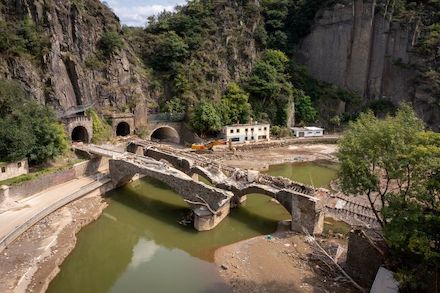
[[123, 129], [166, 134], [80, 134]]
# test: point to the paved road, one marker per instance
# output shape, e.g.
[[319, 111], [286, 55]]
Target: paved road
[[25, 209]]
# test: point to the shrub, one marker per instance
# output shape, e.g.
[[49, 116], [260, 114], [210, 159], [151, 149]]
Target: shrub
[[110, 42]]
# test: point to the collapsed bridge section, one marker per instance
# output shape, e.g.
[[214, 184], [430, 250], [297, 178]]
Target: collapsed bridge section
[[210, 205]]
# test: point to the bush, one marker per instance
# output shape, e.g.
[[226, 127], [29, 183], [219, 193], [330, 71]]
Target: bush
[[95, 62], [110, 42]]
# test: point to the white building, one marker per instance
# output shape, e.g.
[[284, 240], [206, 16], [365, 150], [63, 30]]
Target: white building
[[308, 131], [241, 133], [10, 170]]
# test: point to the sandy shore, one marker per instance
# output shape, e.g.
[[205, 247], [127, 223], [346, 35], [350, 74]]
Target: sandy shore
[[33, 260], [283, 263]]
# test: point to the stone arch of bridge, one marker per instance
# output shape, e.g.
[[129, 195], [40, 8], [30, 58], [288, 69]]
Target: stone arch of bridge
[[197, 173], [165, 133], [283, 199], [80, 134]]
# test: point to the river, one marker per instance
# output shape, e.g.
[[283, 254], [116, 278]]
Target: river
[[138, 245]]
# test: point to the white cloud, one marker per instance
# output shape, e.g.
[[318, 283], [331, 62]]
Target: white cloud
[[143, 252], [137, 16], [133, 13]]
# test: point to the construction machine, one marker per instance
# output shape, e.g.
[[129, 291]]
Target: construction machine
[[200, 147]]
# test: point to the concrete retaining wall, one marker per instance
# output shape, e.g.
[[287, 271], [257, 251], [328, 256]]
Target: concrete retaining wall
[[28, 188], [95, 188]]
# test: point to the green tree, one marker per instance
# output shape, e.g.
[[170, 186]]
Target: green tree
[[205, 118], [166, 50], [234, 106], [269, 88], [174, 106], [27, 129], [304, 110], [335, 121], [397, 166], [49, 135]]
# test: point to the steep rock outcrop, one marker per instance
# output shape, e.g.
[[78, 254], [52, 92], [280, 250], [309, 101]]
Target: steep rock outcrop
[[359, 48], [62, 78]]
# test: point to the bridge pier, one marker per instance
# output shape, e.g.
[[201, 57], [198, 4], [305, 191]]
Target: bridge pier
[[205, 220]]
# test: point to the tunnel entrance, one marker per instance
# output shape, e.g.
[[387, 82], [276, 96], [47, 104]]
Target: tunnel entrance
[[123, 129], [80, 134], [166, 134]]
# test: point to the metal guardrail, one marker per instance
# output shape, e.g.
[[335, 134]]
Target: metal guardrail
[[166, 117], [9, 238]]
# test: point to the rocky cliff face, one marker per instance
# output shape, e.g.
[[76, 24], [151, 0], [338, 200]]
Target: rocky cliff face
[[62, 78], [357, 47]]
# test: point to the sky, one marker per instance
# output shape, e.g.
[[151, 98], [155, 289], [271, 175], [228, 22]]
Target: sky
[[135, 12]]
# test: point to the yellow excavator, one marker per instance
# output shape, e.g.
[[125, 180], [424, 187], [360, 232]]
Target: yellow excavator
[[200, 147]]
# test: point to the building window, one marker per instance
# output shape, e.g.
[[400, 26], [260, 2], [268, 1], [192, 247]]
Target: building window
[[309, 132], [238, 131], [265, 128], [235, 139], [252, 138], [246, 138], [246, 130], [232, 131], [3, 169], [259, 129], [19, 164], [262, 137], [252, 129]]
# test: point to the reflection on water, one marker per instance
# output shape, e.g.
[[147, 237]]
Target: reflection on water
[[318, 174], [137, 245]]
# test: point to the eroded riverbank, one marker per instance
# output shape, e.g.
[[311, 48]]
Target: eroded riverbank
[[33, 260], [281, 262]]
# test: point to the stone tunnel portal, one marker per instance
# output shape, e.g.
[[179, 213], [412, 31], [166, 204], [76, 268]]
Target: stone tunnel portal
[[80, 134], [167, 134], [123, 129]]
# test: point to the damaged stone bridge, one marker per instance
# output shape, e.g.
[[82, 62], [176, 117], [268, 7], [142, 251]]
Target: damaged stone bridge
[[209, 204], [299, 200]]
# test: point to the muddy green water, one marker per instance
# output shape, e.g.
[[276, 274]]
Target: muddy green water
[[137, 245], [318, 173]]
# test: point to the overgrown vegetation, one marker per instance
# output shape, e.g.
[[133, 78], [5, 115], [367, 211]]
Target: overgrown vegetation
[[24, 37], [210, 116], [27, 129], [109, 43], [102, 131], [271, 93], [396, 164]]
